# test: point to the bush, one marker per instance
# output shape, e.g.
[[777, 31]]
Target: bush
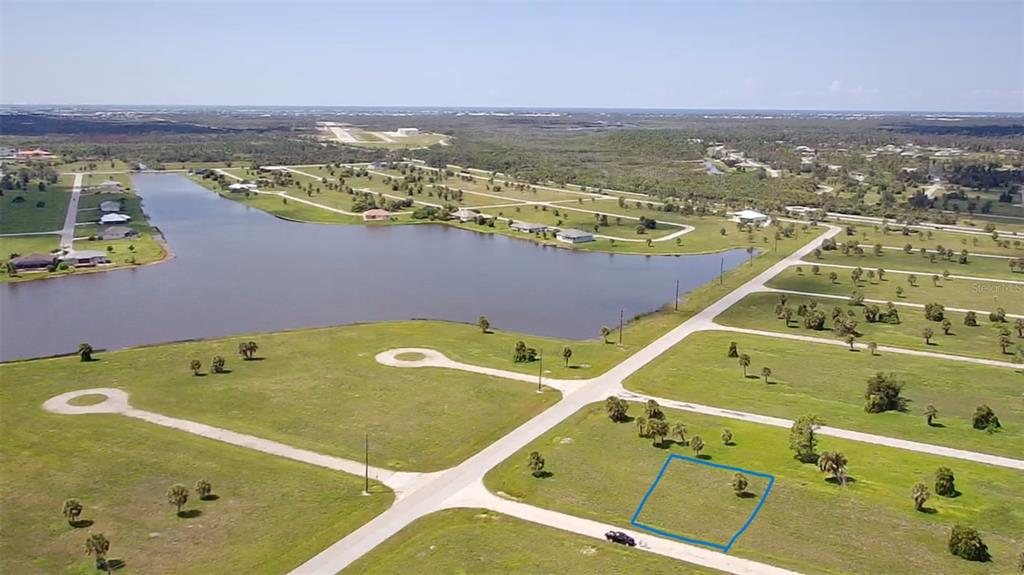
[[883, 394], [934, 311], [965, 542], [984, 416]]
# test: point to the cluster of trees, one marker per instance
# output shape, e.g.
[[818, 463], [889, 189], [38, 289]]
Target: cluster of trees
[[246, 350], [523, 354], [653, 425], [98, 546], [744, 361]]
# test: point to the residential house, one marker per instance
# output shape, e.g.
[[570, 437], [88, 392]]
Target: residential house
[[750, 217], [114, 219], [33, 261], [116, 233], [572, 236], [467, 215], [376, 215], [528, 227], [240, 187], [84, 258], [109, 187]]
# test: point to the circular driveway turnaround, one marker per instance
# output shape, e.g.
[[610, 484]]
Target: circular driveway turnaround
[[116, 402], [431, 358]]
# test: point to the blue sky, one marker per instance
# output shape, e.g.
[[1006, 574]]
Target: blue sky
[[945, 56]]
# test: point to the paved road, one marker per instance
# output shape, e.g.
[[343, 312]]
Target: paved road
[[921, 274], [67, 234]]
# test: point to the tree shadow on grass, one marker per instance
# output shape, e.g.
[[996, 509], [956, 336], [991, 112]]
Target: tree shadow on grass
[[834, 481], [199, 374], [115, 564], [730, 444], [752, 376], [956, 493], [542, 474], [224, 371], [210, 497], [704, 457], [256, 358], [81, 523], [928, 510], [190, 513], [746, 495], [936, 424]]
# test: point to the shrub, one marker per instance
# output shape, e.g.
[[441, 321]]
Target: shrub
[[965, 542]]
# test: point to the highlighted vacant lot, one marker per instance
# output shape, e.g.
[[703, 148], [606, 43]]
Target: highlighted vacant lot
[[710, 486]]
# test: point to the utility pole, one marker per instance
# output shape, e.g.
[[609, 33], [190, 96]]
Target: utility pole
[[677, 295], [540, 371], [366, 463], [621, 312]]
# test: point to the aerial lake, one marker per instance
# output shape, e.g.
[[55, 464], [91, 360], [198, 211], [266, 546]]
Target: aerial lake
[[239, 270]]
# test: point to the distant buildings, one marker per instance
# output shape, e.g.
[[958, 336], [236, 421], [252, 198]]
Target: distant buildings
[[36, 154], [408, 131], [572, 236]]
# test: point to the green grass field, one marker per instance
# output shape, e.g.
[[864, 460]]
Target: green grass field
[[976, 265], [484, 542], [757, 311], [830, 381], [601, 470], [24, 245], [317, 389], [27, 216], [271, 514], [955, 293]]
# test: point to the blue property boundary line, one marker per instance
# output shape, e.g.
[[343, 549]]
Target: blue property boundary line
[[724, 548]]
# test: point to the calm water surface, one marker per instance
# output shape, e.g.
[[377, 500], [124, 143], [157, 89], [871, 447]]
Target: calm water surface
[[242, 270]]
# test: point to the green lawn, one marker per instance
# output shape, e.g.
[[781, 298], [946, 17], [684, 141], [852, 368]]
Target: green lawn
[[757, 311], [24, 245], [601, 470], [956, 293], [892, 260], [317, 389], [26, 216], [482, 542], [93, 180], [830, 381], [271, 513]]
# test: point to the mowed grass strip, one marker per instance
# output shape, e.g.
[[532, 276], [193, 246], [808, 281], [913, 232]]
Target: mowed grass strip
[[484, 542], [600, 470], [270, 514], [932, 239], [757, 311], [315, 389], [977, 265], [977, 295], [830, 381]]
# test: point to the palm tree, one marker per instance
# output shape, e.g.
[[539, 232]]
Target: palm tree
[[85, 351], [834, 463], [872, 347], [566, 354], [697, 445], [641, 426], [920, 494], [927, 334], [850, 339], [616, 408], [766, 372], [605, 332], [727, 437], [177, 496], [679, 429], [98, 546], [71, 509], [739, 484], [484, 323], [203, 488], [931, 414], [744, 363], [652, 410], [946, 326], [217, 364], [195, 365], [658, 430], [536, 463]]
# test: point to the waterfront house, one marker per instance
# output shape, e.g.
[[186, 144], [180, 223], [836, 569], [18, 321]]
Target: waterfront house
[[376, 215], [240, 187], [466, 215], [114, 219], [109, 187], [116, 233], [572, 236], [33, 261], [84, 258], [528, 227]]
